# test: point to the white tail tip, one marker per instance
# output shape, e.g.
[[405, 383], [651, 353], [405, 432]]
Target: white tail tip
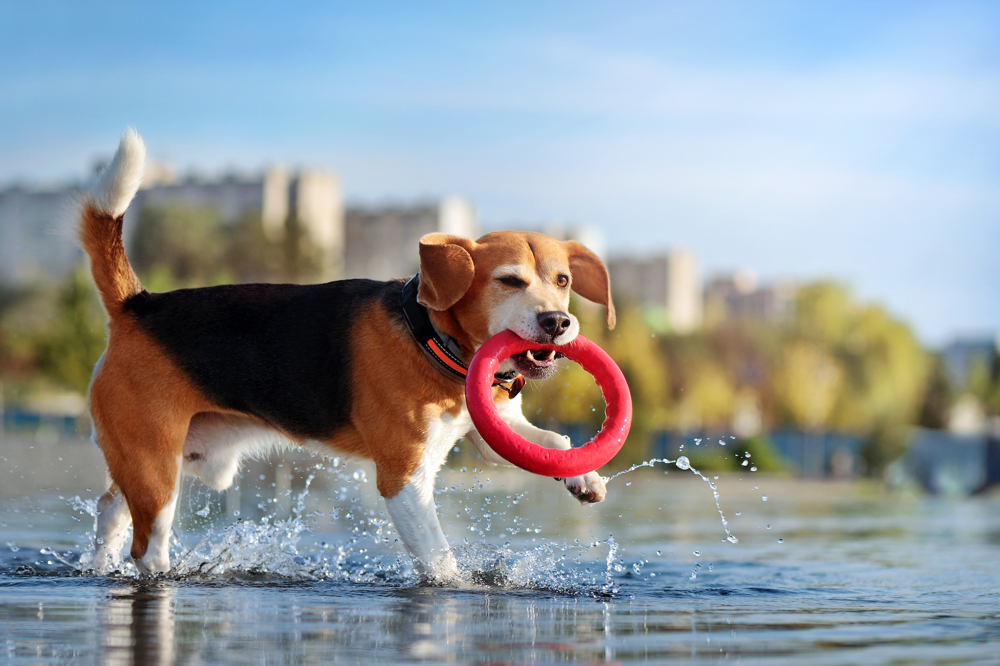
[[120, 180]]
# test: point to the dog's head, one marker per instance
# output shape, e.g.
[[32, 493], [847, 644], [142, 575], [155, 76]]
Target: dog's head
[[510, 280]]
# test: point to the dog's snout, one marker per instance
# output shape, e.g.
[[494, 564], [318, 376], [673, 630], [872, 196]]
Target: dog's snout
[[554, 323]]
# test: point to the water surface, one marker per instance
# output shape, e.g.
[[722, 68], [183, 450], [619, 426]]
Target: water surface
[[823, 572]]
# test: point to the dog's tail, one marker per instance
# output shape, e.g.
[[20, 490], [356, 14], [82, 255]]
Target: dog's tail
[[101, 216]]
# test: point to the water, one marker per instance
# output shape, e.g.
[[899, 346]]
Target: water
[[847, 573]]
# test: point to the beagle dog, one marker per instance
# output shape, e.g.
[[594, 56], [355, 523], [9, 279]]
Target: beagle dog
[[194, 379]]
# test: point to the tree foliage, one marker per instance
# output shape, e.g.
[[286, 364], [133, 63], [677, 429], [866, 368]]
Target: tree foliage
[[837, 364]]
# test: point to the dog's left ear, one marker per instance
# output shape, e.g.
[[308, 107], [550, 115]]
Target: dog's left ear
[[446, 270], [590, 278]]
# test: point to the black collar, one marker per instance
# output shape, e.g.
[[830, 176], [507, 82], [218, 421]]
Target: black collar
[[444, 352]]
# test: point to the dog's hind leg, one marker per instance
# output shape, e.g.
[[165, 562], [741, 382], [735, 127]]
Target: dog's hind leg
[[113, 520], [153, 527], [147, 478], [141, 426]]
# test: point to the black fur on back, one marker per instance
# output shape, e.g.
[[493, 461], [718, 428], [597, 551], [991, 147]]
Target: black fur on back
[[280, 352]]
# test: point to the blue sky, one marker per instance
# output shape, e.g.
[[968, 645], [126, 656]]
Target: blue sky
[[856, 141]]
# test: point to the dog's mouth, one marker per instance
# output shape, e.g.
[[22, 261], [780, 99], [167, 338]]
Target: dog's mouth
[[535, 363]]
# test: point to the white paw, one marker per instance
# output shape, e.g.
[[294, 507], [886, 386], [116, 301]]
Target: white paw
[[588, 488], [103, 561], [443, 571]]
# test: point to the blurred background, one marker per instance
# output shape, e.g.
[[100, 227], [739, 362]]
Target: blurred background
[[798, 202]]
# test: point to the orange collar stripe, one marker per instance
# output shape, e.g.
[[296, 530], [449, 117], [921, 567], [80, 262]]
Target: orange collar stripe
[[444, 358]]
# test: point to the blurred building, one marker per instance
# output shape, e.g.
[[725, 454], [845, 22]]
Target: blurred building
[[382, 243], [737, 296], [668, 281], [966, 358], [37, 234], [586, 235], [37, 227], [313, 197]]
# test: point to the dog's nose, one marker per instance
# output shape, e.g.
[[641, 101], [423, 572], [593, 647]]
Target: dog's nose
[[554, 323]]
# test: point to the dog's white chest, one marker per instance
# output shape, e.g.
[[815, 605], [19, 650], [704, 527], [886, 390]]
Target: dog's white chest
[[443, 432]]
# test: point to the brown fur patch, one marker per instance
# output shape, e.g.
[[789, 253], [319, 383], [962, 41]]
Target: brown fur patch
[[142, 405], [446, 270], [101, 237], [397, 394]]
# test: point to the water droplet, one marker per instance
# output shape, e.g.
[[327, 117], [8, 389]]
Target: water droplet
[[746, 454], [659, 553], [744, 463], [628, 483], [359, 475], [737, 513], [683, 463], [764, 498], [781, 541], [753, 469], [721, 443], [697, 553], [768, 527]]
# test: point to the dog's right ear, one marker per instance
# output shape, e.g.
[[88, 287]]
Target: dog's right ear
[[446, 270]]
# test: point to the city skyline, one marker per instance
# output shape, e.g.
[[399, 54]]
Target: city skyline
[[849, 142]]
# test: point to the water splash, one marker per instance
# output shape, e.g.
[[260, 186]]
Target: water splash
[[290, 547], [549, 566], [682, 462], [645, 463]]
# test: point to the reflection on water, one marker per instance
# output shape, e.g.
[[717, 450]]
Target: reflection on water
[[313, 574], [137, 625]]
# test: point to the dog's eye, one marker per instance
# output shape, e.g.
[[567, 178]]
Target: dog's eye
[[562, 281], [511, 281]]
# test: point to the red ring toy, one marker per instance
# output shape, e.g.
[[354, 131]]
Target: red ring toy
[[518, 451]]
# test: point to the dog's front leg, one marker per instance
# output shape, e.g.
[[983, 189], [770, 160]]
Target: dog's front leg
[[413, 511], [587, 488], [415, 518]]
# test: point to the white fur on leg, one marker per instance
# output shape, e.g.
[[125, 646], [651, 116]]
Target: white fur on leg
[[157, 556], [413, 511], [120, 180], [587, 488], [113, 519], [415, 518]]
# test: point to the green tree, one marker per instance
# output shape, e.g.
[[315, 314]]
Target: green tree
[[852, 368], [77, 338], [174, 245]]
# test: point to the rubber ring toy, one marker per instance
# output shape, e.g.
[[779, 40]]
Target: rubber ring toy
[[531, 457]]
